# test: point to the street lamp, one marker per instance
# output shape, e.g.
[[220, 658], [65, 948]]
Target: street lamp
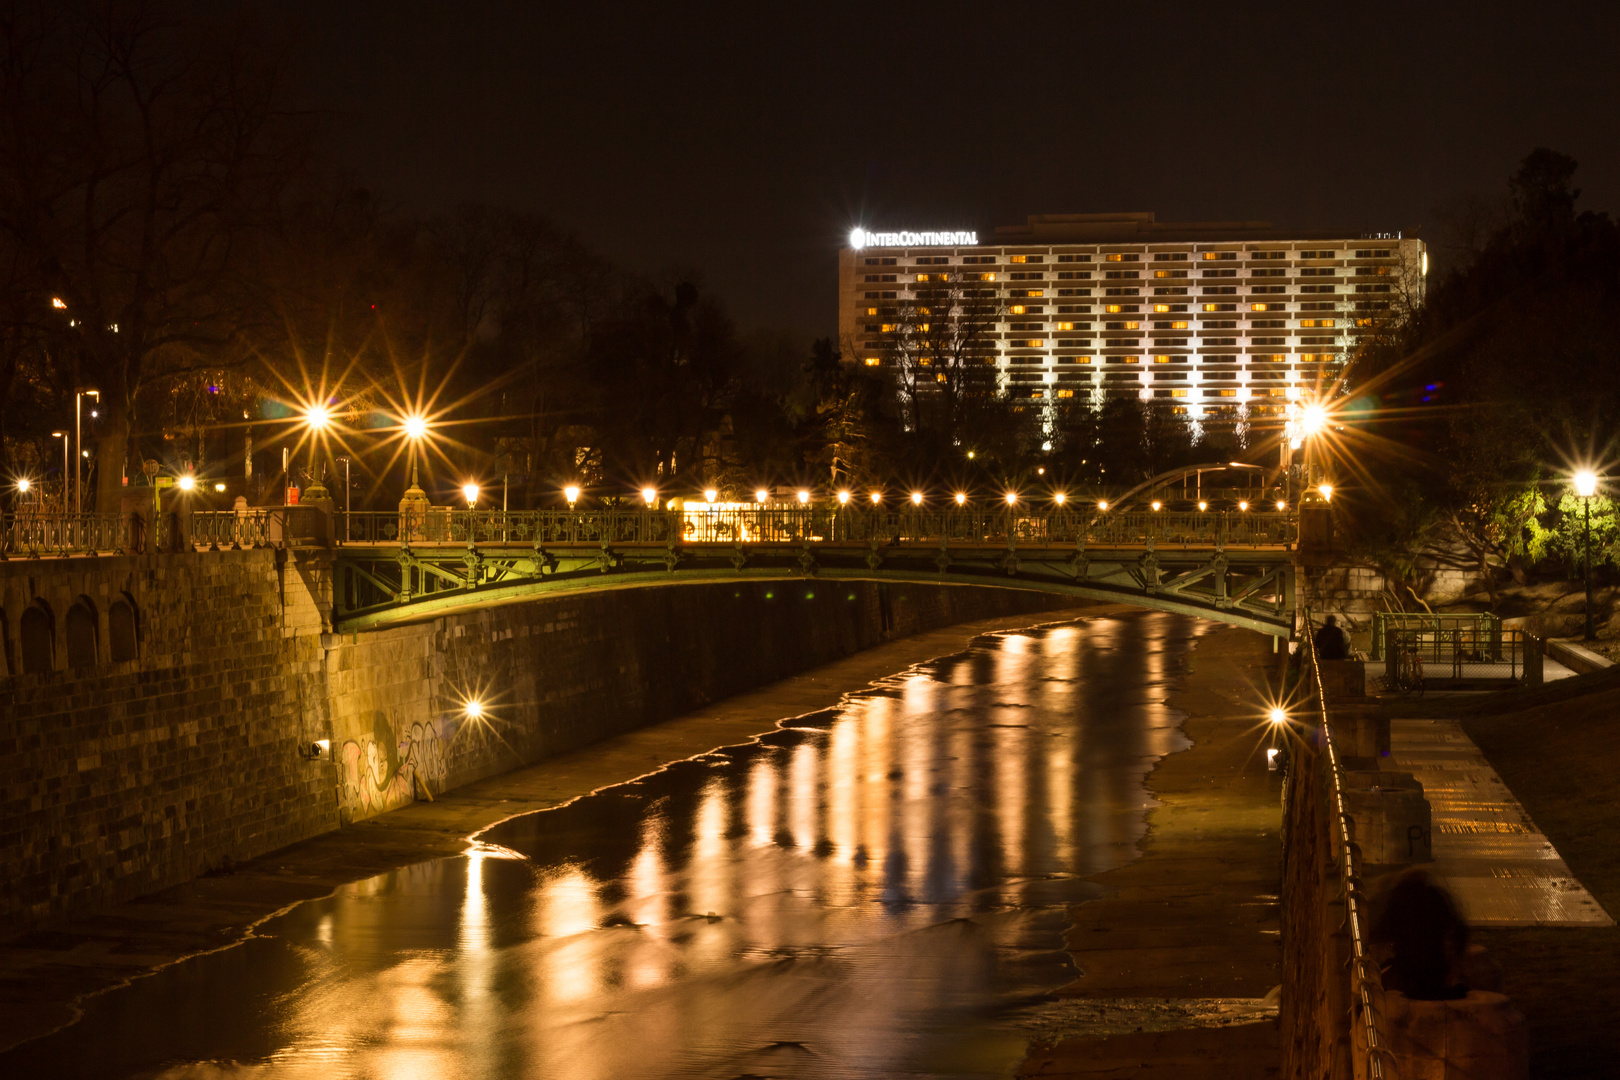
[[317, 418], [1586, 487], [1012, 498], [1326, 491], [761, 495], [961, 498], [78, 443], [648, 496], [877, 497], [710, 494], [1059, 498], [187, 482], [64, 437], [804, 497], [571, 493], [916, 498], [843, 498]]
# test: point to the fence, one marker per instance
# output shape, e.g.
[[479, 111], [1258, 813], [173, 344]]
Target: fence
[[37, 535], [1332, 996], [732, 524], [1478, 624], [1465, 653]]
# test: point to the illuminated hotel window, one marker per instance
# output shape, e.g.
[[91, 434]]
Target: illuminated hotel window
[[1065, 326], [1132, 326], [1065, 393], [1220, 307], [1178, 326], [1169, 273], [871, 311], [1034, 343], [1028, 258], [1074, 359], [1316, 322], [1027, 292], [1018, 309], [981, 277], [1226, 393], [1113, 309], [872, 361], [1213, 256], [1364, 322], [1163, 359], [1278, 391], [1178, 393], [1259, 307]]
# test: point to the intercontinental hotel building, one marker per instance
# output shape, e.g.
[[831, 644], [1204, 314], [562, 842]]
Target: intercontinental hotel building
[[1224, 319]]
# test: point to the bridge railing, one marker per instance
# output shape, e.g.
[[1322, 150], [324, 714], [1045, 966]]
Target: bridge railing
[[24, 534], [246, 528], [441, 525]]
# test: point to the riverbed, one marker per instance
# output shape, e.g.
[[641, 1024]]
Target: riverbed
[[879, 889]]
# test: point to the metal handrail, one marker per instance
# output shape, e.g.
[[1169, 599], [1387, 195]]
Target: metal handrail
[[1386, 621], [1366, 985], [32, 535], [732, 525]]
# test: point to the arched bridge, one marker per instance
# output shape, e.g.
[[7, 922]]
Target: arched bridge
[[388, 569]]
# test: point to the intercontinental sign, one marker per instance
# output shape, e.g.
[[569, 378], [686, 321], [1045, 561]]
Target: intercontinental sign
[[860, 238]]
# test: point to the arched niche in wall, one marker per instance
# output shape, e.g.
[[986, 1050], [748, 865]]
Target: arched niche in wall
[[37, 639], [123, 631], [82, 634]]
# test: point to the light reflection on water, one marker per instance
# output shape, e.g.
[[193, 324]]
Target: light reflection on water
[[873, 892]]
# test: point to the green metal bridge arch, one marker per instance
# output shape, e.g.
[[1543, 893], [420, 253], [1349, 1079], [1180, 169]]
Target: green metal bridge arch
[[1234, 568]]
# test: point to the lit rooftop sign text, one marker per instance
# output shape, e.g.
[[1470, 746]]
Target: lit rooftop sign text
[[860, 238]]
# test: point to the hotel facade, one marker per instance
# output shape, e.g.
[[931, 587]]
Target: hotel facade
[[1226, 321]]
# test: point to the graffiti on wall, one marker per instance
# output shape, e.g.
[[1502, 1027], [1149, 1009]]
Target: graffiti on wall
[[387, 769]]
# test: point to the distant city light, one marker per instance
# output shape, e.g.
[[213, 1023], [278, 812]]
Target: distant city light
[[58, 303], [1281, 505], [1243, 505], [219, 487], [1202, 505], [1157, 505]]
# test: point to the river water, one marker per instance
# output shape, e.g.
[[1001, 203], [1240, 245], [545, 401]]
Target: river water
[[877, 890]]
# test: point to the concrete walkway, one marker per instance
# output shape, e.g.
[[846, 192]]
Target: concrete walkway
[[1500, 867], [1177, 961]]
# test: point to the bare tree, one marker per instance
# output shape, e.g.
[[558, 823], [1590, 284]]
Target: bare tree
[[141, 154]]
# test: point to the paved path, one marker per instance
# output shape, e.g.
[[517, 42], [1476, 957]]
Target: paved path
[[1501, 868]]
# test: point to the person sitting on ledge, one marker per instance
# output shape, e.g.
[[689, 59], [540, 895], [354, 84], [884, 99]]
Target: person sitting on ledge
[[1424, 938], [1332, 643]]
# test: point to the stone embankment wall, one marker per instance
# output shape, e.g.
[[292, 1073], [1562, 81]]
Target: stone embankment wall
[[156, 710], [151, 711]]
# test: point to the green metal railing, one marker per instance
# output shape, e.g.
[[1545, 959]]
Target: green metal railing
[[1477, 627], [28, 535], [439, 525]]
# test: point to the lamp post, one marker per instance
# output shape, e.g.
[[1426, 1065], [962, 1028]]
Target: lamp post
[[317, 418], [64, 437], [1586, 487], [413, 505], [78, 447]]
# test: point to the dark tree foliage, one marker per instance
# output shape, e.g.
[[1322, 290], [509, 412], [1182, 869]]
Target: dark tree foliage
[[1504, 379]]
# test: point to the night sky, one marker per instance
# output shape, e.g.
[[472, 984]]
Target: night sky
[[746, 139]]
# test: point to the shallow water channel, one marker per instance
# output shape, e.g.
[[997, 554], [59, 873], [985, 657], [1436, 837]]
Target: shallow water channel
[[876, 890]]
